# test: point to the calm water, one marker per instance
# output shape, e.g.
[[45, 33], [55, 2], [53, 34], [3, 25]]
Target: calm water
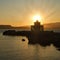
[[12, 48]]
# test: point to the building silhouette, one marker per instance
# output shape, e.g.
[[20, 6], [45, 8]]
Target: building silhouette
[[37, 27]]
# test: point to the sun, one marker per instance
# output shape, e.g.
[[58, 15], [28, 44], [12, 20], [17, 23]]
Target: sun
[[37, 17]]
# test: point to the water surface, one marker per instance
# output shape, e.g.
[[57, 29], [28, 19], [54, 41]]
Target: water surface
[[13, 48]]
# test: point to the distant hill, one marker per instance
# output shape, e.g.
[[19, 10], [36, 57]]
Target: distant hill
[[5, 26], [12, 27], [50, 26]]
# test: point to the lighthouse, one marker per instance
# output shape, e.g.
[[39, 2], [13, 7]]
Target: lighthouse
[[37, 27], [36, 31]]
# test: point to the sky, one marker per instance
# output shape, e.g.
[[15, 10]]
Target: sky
[[20, 12]]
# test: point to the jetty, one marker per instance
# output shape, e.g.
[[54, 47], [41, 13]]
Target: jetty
[[37, 35]]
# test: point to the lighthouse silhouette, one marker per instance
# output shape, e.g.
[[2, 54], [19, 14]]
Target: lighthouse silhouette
[[37, 27]]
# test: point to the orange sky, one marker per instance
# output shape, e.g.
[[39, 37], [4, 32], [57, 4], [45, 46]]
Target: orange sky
[[20, 12]]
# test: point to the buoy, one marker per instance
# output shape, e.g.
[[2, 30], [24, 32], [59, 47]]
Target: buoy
[[23, 39]]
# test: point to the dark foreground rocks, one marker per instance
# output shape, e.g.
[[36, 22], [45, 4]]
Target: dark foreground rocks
[[45, 38]]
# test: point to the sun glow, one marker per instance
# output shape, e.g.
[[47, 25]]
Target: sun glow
[[37, 17]]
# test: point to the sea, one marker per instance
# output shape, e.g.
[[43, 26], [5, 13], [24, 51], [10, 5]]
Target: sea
[[13, 48]]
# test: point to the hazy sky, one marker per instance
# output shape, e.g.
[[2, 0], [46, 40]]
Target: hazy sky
[[20, 12]]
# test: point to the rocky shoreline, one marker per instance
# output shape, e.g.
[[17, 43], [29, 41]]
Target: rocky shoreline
[[41, 37]]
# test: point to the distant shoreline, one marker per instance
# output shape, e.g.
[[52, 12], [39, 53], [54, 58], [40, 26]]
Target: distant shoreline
[[50, 26]]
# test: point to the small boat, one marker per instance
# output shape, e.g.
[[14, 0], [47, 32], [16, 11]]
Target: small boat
[[23, 39]]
